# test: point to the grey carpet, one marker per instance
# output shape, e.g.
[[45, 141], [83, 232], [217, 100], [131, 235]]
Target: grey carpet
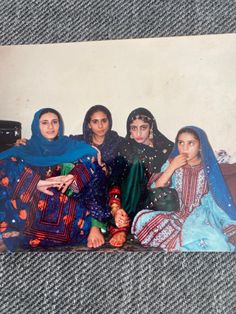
[[40, 21], [115, 282]]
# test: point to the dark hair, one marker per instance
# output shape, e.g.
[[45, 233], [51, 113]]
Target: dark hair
[[51, 110], [142, 114], [187, 130], [160, 141], [87, 133], [47, 110]]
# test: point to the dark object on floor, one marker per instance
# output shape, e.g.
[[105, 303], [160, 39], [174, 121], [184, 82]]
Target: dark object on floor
[[163, 199], [10, 131]]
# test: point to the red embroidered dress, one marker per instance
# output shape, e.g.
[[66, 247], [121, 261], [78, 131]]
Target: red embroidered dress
[[165, 230]]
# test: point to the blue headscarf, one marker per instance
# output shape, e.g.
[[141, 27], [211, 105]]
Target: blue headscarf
[[41, 152], [215, 179]]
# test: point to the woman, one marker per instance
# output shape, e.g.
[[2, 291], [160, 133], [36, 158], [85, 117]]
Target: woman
[[139, 159], [31, 218], [206, 220], [97, 131]]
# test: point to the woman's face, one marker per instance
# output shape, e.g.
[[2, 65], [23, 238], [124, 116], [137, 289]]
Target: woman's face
[[99, 123], [189, 145], [140, 131], [49, 125]]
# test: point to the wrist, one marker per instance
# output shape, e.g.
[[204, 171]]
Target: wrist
[[114, 209]]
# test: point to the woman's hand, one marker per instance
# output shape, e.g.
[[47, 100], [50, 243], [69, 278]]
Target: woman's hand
[[62, 182], [100, 162], [99, 156], [176, 163], [44, 186], [179, 161], [21, 141], [121, 218]]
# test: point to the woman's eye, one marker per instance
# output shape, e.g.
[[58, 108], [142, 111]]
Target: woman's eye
[[104, 120]]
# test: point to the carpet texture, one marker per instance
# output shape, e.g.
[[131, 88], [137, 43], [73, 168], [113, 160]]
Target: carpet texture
[[115, 281]]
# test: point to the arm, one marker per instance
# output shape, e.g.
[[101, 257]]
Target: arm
[[121, 218], [176, 163], [119, 214], [60, 182], [21, 141], [73, 178]]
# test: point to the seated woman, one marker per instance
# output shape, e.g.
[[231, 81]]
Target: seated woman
[[139, 158], [97, 131], [206, 219], [36, 205]]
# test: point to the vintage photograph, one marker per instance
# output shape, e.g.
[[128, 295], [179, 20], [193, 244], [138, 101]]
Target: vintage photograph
[[119, 145]]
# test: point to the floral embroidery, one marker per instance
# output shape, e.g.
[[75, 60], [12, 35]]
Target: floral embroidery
[[5, 181], [23, 214], [3, 226], [34, 243], [42, 204]]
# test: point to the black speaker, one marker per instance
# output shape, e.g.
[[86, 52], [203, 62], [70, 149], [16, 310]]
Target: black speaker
[[10, 131]]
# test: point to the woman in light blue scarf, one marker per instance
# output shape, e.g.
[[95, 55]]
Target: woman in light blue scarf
[[206, 220]]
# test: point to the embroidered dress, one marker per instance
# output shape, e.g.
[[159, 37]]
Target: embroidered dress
[[200, 224], [31, 218], [136, 163]]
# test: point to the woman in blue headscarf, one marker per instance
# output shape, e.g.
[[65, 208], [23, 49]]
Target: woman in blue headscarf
[[51, 189], [97, 131], [206, 220]]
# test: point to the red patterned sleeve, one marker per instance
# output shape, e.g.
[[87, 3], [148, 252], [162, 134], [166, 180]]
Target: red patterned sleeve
[[82, 176], [26, 185]]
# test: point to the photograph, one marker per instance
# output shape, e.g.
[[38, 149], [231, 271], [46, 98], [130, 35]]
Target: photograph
[[119, 145]]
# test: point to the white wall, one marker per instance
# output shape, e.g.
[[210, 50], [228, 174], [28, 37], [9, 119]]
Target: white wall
[[182, 80]]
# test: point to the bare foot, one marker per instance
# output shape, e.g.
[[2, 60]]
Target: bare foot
[[118, 239], [3, 247], [95, 238]]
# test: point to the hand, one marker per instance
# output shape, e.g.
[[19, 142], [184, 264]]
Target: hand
[[99, 156], [100, 162], [44, 186], [62, 182], [121, 218], [21, 141], [179, 161]]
